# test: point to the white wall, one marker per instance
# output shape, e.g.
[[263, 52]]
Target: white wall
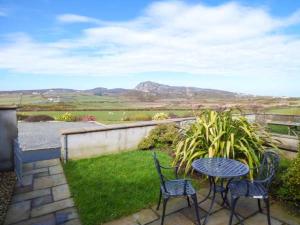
[[77, 144], [8, 132]]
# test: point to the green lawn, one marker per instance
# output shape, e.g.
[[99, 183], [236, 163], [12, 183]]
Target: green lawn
[[112, 186], [280, 129], [107, 117], [285, 111]]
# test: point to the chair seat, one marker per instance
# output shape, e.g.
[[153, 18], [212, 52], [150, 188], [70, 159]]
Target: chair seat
[[240, 188], [176, 188]]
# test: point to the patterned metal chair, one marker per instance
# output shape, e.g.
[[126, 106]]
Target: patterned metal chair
[[258, 188], [174, 188]]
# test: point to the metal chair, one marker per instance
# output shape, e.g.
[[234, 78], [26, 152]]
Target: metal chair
[[258, 188], [174, 188]]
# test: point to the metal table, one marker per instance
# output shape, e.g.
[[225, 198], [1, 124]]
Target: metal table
[[219, 168]]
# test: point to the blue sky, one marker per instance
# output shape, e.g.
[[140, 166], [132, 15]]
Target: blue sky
[[243, 46]]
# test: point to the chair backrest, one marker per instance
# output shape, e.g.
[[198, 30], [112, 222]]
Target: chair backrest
[[268, 167], [158, 168]]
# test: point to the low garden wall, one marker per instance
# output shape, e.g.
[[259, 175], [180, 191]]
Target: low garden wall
[[8, 132], [85, 143]]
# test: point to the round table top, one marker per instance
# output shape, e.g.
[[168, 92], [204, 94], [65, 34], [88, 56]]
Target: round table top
[[220, 167]]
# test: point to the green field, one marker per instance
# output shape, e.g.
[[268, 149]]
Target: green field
[[108, 117], [285, 111]]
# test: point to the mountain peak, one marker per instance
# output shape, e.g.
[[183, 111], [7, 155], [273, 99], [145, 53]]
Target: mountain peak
[[149, 86]]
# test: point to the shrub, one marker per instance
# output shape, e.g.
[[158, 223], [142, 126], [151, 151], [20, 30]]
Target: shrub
[[39, 118], [137, 117], [221, 134], [87, 118], [67, 117], [164, 135], [173, 115], [160, 116], [22, 116], [290, 186]]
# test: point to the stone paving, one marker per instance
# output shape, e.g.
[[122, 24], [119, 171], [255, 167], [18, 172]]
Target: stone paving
[[177, 213], [43, 198]]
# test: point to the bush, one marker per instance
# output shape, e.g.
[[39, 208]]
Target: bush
[[87, 118], [39, 118], [221, 134], [67, 117], [290, 185], [160, 116], [164, 135], [137, 117], [22, 116]]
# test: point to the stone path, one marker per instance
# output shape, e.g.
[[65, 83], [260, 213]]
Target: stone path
[[177, 213], [44, 198]]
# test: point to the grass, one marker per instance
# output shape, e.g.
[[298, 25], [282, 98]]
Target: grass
[[280, 129], [285, 111], [112, 186], [107, 117]]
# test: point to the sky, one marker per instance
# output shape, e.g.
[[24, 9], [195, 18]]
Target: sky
[[247, 46]]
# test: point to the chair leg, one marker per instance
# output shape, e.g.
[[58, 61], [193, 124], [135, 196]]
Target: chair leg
[[194, 197], [268, 210], [188, 201], [259, 205], [159, 200], [164, 210], [233, 204]]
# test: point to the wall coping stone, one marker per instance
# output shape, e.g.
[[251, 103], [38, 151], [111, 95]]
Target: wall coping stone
[[6, 107], [124, 126]]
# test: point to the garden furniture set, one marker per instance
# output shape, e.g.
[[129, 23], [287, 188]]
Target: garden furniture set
[[224, 175]]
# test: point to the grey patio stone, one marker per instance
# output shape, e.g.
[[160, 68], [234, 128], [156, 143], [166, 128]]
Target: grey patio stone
[[18, 212], [43, 220], [52, 207], [260, 219], [61, 192], [35, 171], [49, 181], [190, 213], [31, 195], [247, 207], [72, 222], [281, 213], [129, 220], [42, 174], [28, 167], [65, 215], [46, 163], [174, 219], [173, 205], [220, 218], [206, 204], [26, 181], [41, 200], [56, 169], [145, 216], [22, 189]]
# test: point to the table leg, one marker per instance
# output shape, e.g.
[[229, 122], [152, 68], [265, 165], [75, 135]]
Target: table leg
[[212, 186]]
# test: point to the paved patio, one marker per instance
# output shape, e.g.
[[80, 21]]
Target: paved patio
[[44, 198], [177, 213]]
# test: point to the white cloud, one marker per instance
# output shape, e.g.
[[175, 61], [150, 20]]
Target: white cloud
[[229, 39], [73, 18]]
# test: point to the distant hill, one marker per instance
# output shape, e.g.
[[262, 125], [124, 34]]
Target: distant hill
[[147, 90]]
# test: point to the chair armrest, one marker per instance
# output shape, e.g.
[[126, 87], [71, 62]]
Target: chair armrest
[[175, 168]]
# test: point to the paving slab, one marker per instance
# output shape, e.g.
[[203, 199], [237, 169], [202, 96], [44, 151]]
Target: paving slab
[[278, 211], [46, 163], [173, 205], [174, 219], [190, 213], [43, 220], [30, 172], [51, 207], [72, 222], [61, 192], [65, 215], [260, 219], [17, 212], [220, 218], [55, 169], [41, 201], [31, 195], [145, 216], [206, 204], [49, 181], [42, 174]]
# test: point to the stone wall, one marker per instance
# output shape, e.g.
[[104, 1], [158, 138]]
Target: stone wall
[[8, 132]]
